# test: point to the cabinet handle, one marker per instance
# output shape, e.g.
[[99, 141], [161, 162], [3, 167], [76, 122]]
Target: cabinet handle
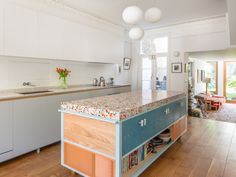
[[145, 122], [167, 111], [141, 123]]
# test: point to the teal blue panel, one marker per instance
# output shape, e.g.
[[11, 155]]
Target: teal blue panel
[[133, 134]]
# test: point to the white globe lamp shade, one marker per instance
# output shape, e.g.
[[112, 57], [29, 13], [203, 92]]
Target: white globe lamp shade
[[153, 15], [132, 15], [136, 33]]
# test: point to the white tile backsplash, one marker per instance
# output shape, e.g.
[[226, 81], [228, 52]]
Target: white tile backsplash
[[14, 71]]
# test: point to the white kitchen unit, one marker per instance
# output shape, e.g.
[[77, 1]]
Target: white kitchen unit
[[6, 128], [80, 42], [20, 30], [32, 123], [50, 40], [1, 28], [29, 32]]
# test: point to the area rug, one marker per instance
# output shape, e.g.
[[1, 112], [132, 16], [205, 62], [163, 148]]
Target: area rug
[[226, 113]]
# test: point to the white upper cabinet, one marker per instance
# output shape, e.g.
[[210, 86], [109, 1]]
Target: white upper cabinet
[[75, 46], [38, 34], [1, 28], [20, 30], [50, 43], [84, 43], [109, 46]]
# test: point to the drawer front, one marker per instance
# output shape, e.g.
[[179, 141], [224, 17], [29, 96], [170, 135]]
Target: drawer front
[[178, 109], [143, 127]]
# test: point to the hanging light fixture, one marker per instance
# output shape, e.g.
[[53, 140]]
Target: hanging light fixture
[[136, 33], [153, 15], [132, 15]]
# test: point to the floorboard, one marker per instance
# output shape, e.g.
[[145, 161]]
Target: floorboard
[[208, 149]]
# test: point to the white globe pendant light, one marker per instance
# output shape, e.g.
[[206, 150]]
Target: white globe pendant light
[[132, 15], [136, 33], [153, 15]]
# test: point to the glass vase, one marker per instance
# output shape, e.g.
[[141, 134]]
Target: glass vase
[[64, 84]]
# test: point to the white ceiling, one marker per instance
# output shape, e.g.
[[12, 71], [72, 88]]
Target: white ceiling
[[174, 11]]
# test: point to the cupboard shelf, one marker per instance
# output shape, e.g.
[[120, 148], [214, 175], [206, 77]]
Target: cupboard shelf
[[138, 169]]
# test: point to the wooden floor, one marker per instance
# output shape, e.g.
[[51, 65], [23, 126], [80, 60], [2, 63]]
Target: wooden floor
[[208, 149]]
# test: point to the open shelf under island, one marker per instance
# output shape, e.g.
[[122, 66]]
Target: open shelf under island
[[112, 136]]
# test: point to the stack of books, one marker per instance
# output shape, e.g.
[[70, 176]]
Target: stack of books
[[141, 153], [135, 157]]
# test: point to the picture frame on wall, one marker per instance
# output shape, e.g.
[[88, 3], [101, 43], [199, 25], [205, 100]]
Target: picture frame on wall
[[176, 67], [126, 63]]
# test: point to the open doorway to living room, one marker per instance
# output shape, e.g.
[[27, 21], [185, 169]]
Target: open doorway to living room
[[212, 85]]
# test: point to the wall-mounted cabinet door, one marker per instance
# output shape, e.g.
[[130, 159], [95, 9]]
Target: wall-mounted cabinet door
[[76, 45], [50, 41], [109, 47], [1, 27], [6, 127], [85, 43], [20, 30]]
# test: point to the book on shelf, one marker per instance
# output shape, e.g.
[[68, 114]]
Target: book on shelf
[[134, 158]]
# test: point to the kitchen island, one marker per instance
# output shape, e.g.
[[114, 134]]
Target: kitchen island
[[110, 136]]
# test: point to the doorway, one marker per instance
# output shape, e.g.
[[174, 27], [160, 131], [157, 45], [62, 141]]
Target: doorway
[[155, 63], [230, 81]]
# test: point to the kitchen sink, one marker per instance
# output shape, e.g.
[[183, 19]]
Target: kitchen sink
[[34, 92]]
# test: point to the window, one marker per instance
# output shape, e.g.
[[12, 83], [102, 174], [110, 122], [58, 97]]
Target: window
[[211, 72], [161, 73], [147, 73], [230, 82], [160, 47]]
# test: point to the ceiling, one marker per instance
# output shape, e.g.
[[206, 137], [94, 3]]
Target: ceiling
[[174, 11]]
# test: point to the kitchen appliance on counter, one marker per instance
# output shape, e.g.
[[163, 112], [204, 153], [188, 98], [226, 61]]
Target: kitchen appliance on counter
[[102, 82], [111, 81], [95, 82]]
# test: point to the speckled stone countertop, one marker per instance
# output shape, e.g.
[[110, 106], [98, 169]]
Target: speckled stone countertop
[[122, 105], [13, 94]]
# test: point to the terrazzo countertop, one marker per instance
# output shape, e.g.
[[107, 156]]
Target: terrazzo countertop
[[13, 94], [122, 105]]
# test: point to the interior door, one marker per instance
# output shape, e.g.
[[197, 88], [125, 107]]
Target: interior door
[[230, 81]]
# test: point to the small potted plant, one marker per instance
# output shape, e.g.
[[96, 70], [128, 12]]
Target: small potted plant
[[63, 74]]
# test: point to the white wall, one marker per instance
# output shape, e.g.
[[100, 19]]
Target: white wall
[[14, 71], [232, 21], [199, 87], [204, 35]]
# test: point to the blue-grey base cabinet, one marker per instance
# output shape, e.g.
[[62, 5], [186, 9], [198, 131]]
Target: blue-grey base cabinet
[[31, 123], [6, 128]]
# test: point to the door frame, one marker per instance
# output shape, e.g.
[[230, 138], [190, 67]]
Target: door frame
[[224, 82]]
